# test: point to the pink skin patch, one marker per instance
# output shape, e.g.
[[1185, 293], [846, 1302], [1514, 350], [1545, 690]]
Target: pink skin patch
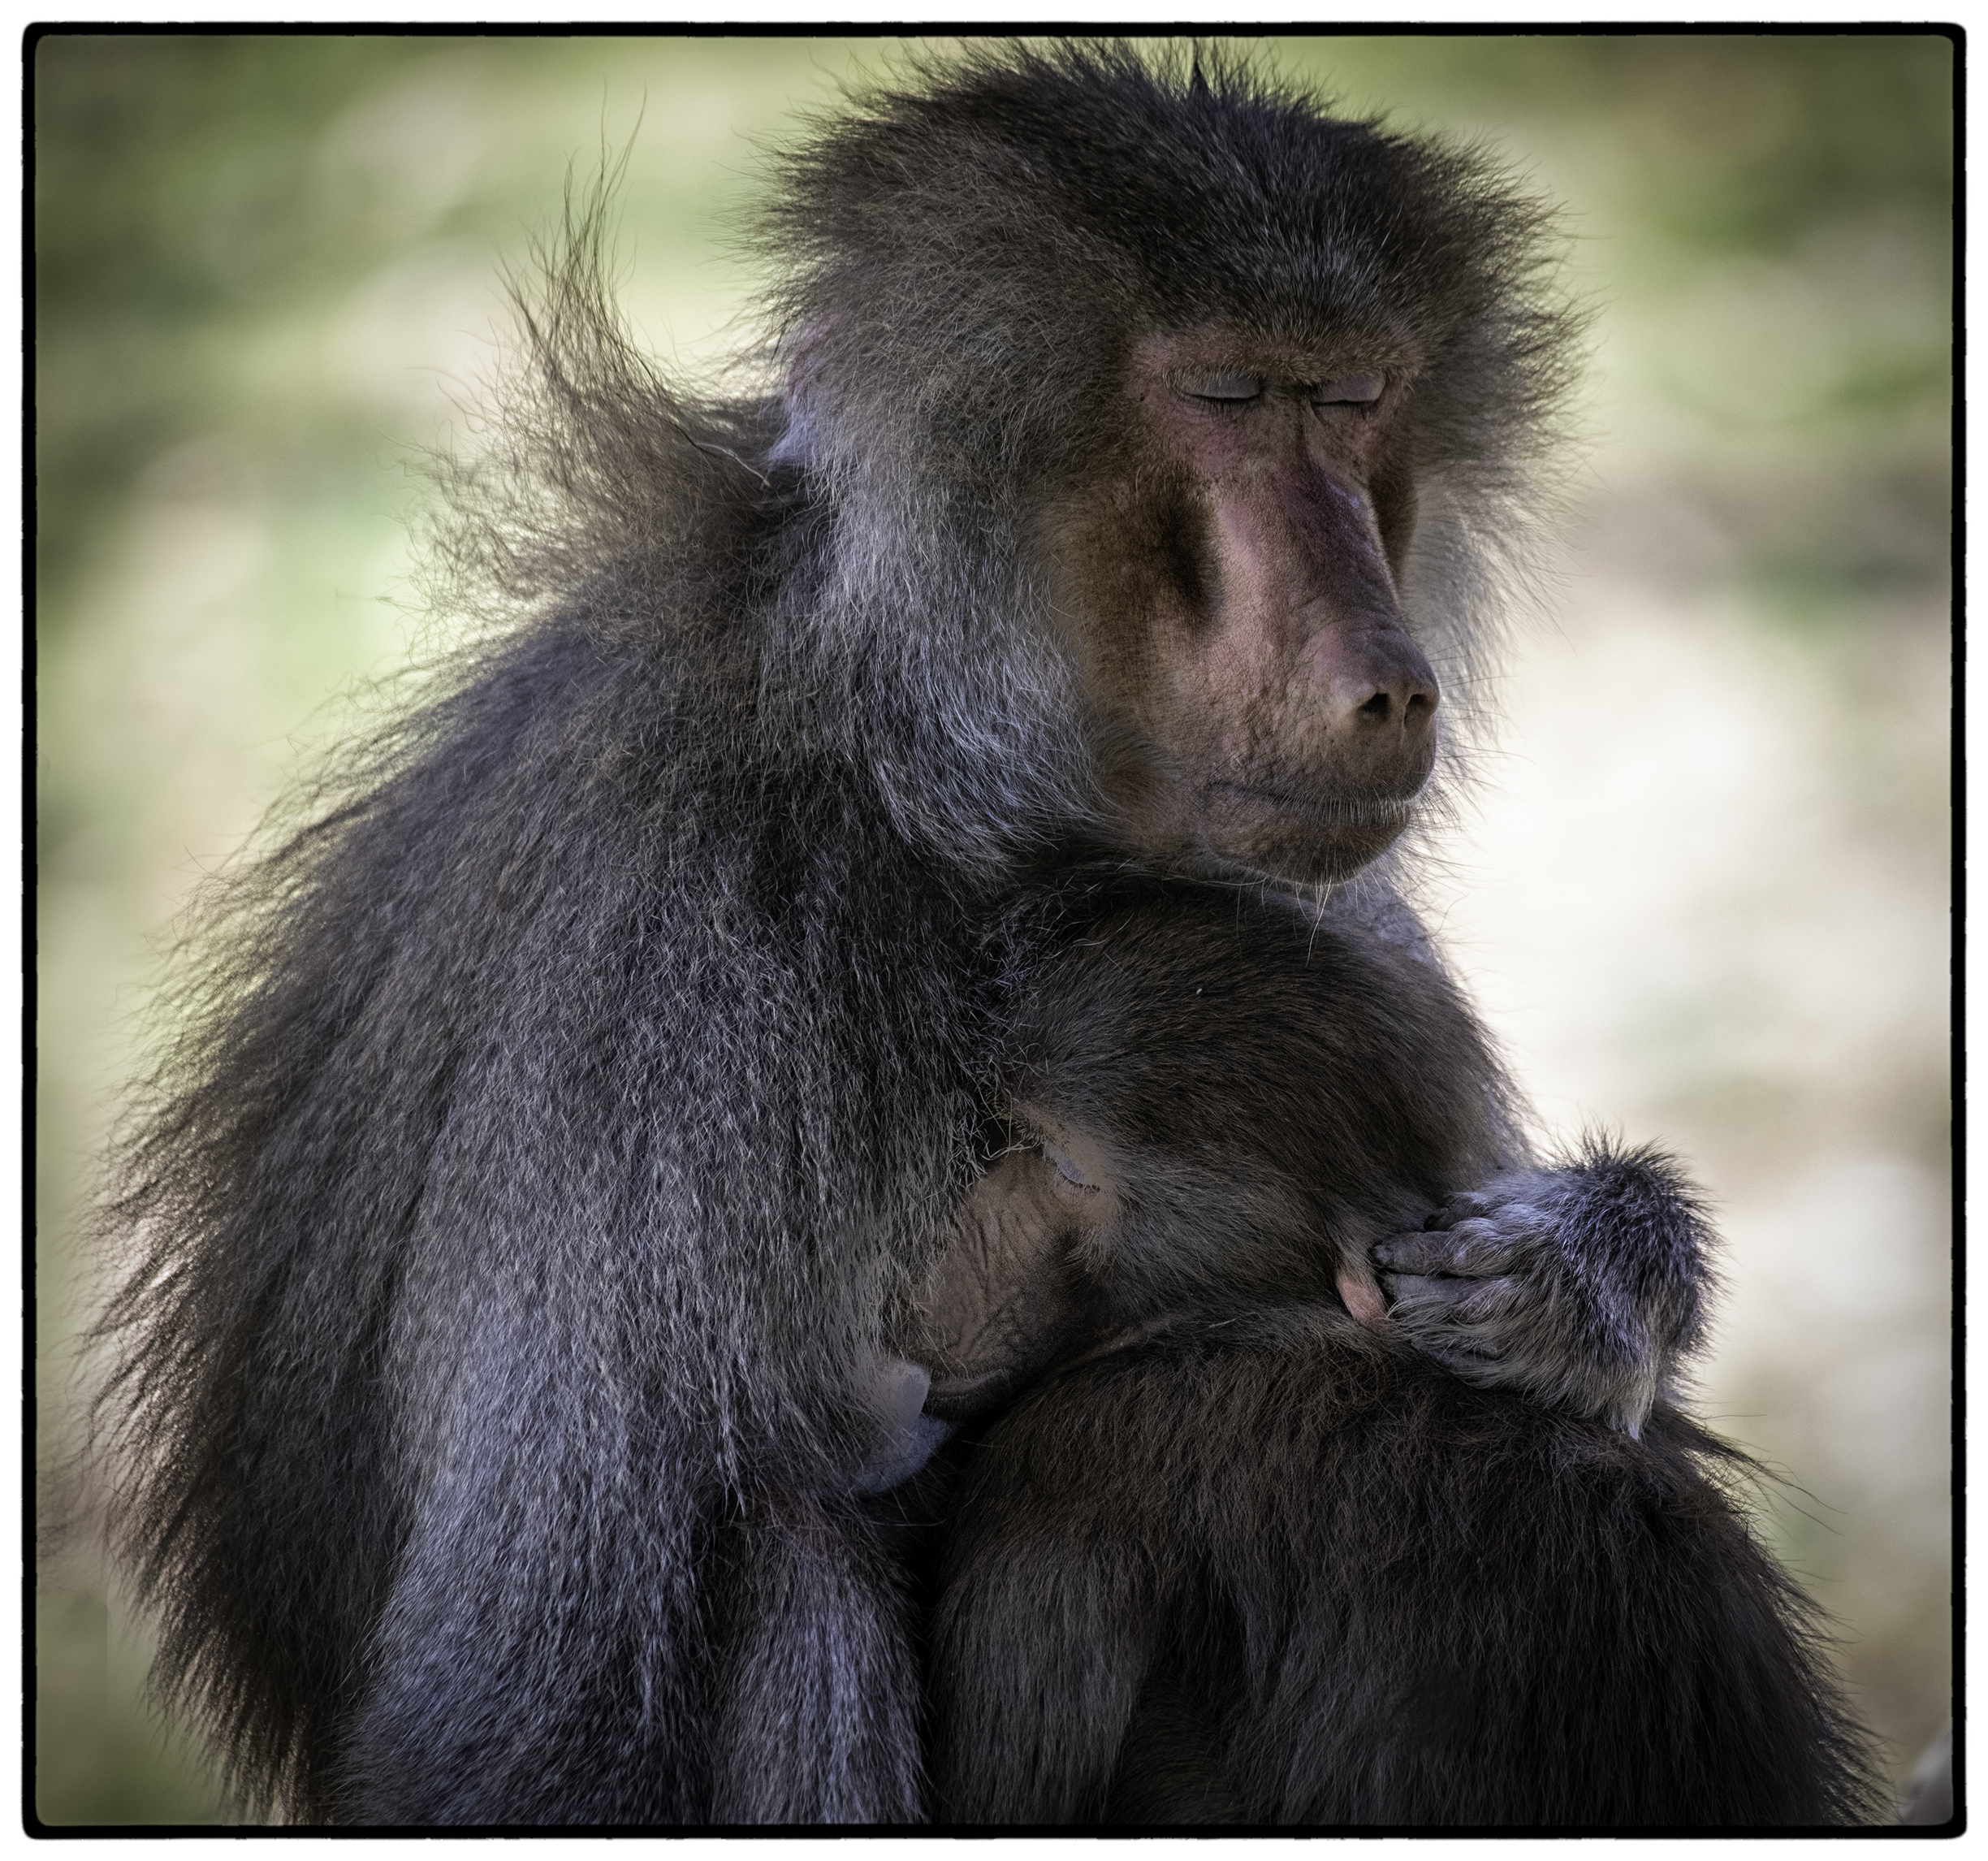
[[1361, 1291]]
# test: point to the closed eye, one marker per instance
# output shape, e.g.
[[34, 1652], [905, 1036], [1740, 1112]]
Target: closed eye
[[1066, 1167], [1225, 386], [1349, 389]]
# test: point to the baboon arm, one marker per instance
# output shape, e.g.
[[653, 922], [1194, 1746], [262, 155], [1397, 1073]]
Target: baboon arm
[[816, 1721], [501, 1690]]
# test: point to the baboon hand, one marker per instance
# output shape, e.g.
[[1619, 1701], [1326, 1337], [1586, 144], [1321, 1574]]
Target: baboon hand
[[1581, 1288]]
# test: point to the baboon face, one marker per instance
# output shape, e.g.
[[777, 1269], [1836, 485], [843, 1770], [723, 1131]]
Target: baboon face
[[1030, 1275], [1020, 1282], [1259, 701]]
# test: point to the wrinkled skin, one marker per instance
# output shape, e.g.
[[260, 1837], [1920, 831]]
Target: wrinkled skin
[[1024, 1281], [1009, 1295], [1268, 706]]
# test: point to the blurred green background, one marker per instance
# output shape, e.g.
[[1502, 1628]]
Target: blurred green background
[[1706, 897]]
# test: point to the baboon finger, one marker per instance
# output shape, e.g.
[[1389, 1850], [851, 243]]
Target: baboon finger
[[1463, 1206], [1470, 1250]]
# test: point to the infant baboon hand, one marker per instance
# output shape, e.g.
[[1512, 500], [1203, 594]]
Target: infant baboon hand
[[1580, 1287]]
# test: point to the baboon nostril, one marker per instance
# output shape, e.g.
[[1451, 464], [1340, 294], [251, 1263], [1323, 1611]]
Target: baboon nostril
[[1373, 680]]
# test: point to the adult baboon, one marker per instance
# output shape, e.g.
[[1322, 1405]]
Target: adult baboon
[[1243, 1556], [562, 1107]]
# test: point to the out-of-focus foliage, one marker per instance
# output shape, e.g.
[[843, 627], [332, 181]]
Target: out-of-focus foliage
[[1706, 902], [168, 176]]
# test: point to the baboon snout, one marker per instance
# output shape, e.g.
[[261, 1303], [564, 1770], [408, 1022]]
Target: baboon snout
[[1376, 698]]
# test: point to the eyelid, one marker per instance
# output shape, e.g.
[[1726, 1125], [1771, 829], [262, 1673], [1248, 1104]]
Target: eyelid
[[1066, 1167], [1221, 384], [1355, 390]]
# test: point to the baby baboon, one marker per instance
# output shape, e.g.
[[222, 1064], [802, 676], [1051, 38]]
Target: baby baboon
[[1240, 1554]]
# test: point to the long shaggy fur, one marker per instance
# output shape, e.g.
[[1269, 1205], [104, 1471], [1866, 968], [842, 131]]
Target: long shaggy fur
[[1263, 1565], [551, 1114], [1281, 1571]]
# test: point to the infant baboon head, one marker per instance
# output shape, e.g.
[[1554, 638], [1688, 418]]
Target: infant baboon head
[[1214, 1101]]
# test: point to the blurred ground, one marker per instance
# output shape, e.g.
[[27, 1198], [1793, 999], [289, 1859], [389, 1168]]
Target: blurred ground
[[1706, 899]]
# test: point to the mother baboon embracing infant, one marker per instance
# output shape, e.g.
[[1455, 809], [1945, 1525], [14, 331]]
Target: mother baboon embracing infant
[[562, 1122], [1233, 1552]]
